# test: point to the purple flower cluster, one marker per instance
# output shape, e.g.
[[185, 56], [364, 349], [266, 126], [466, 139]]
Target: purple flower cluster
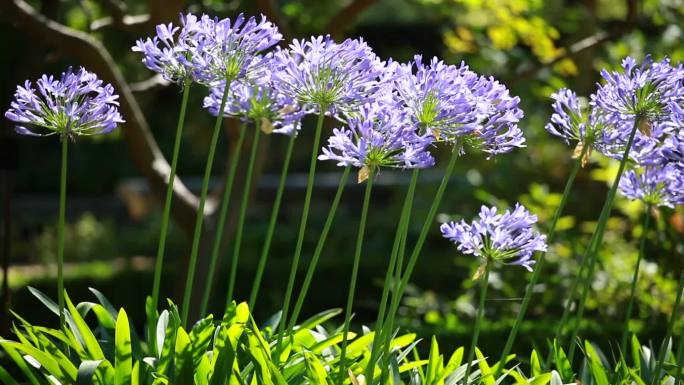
[[78, 103], [649, 96], [208, 50], [256, 100], [322, 73], [379, 137], [655, 185], [508, 238], [457, 105]]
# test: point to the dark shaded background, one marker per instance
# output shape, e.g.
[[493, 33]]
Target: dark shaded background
[[113, 209]]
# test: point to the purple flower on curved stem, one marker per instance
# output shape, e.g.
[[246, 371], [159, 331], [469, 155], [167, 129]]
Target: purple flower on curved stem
[[78, 104], [508, 238]]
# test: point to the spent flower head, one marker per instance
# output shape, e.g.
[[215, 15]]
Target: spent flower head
[[320, 73], [508, 238], [78, 103], [378, 136], [657, 185]]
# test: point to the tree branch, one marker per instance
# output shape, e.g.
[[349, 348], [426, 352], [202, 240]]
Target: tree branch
[[92, 54], [343, 19], [273, 14]]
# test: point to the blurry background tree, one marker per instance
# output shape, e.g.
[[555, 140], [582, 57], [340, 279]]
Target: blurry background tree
[[533, 46]]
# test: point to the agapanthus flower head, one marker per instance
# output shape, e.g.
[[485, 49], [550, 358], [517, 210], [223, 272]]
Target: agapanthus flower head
[[658, 185], [322, 73], [379, 136], [574, 122], [646, 93], [227, 49], [457, 105], [172, 50], [498, 114], [78, 103], [508, 238], [649, 96], [255, 100]]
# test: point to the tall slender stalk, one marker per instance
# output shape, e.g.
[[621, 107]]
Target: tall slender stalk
[[399, 236], [597, 238], [159, 263], [302, 229], [540, 263], [635, 278], [396, 297], [200, 209], [271, 225], [225, 203], [478, 321], [680, 359], [242, 215], [668, 334], [60, 230], [355, 272], [317, 252]]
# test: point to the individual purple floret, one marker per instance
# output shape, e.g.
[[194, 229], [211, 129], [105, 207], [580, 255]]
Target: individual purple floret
[[654, 185], [379, 136], [508, 238], [76, 104], [257, 101], [227, 49], [673, 150], [457, 105], [321, 73]]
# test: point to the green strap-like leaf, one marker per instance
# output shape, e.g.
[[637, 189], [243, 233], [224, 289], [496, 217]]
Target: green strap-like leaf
[[86, 370], [91, 344], [123, 361], [183, 362]]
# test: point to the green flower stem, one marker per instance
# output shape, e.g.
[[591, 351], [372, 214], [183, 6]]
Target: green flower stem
[[597, 238], [200, 209], [355, 272], [635, 278], [389, 275], [271, 225], [225, 202], [540, 263], [317, 252], [241, 217], [484, 283], [302, 229], [668, 334], [396, 297], [159, 263], [680, 359], [60, 230]]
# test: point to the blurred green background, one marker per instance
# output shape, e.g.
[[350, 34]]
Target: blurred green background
[[113, 214]]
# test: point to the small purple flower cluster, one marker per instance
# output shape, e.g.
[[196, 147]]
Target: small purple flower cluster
[[78, 103], [649, 96], [508, 238]]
